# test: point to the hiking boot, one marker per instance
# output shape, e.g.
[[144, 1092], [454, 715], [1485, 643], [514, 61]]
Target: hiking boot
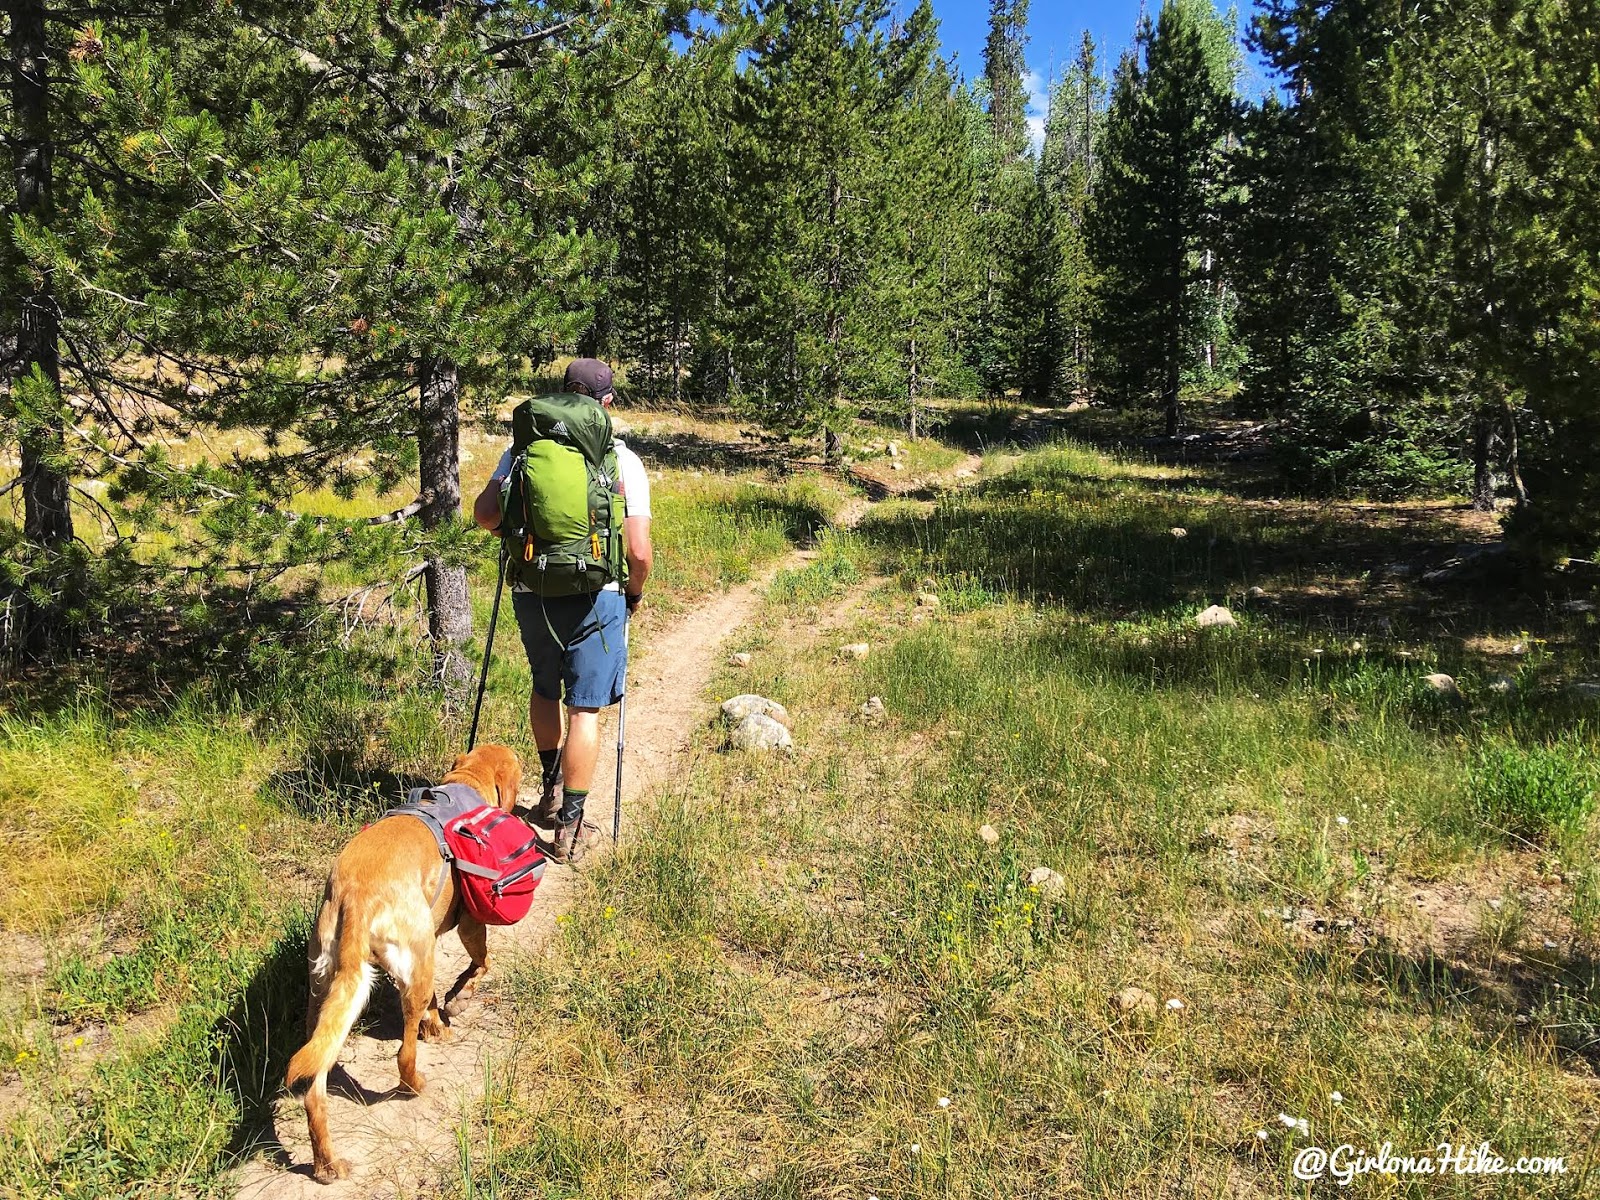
[[549, 802], [572, 842]]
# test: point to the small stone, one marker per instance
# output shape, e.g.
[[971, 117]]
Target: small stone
[[872, 710], [760, 733], [1549, 945], [741, 659], [897, 465], [1215, 617], [1442, 684], [1502, 685], [988, 834], [927, 600], [928, 584], [1135, 1001], [855, 650], [894, 449], [748, 704], [1342, 821], [1496, 905], [1257, 593], [1175, 1005], [1178, 531], [1049, 883]]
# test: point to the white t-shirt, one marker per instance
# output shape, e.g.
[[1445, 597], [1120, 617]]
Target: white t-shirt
[[635, 485]]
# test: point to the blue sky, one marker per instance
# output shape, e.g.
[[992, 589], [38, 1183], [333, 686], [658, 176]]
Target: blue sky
[[1054, 31]]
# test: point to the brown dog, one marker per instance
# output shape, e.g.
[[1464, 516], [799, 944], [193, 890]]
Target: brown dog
[[385, 905]]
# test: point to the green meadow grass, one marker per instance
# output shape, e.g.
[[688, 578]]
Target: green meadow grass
[[795, 964], [176, 846]]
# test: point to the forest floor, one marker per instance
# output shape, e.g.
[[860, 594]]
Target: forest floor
[[1087, 902]]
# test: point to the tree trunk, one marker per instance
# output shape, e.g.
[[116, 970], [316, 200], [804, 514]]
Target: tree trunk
[[1174, 346], [1513, 455], [439, 450], [1482, 472], [911, 389], [46, 506]]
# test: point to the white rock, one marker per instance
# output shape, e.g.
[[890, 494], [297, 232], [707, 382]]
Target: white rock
[[1257, 593], [1215, 617], [1050, 884], [1178, 531], [1502, 685], [927, 600], [988, 834], [894, 449], [741, 659], [872, 710], [854, 650], [1135, 1000], [897, 465], [758, 732], [748, 704], [1441, 683]]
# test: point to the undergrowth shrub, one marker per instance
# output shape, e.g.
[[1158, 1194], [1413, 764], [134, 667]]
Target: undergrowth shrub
[[1531, 791]]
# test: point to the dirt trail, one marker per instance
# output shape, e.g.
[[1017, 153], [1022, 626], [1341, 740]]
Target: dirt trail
[[399, 1146]]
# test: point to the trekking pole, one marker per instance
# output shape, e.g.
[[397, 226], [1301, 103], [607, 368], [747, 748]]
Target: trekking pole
[[488, 646], [622, 721]]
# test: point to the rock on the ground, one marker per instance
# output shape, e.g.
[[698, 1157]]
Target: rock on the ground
[[757, 733], [1442, 684], [1135, 1001], [872, 710], [1050, 884], [894, 449], [741, 659], [855, 650], [927, 600], [739, 707], [1215, 617], [1178, 531], [1257, 593], [1578, 606], [1502, 685], [897, 465], [988, 835], [928, 584]]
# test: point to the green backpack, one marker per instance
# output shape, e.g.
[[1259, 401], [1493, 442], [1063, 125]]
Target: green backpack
[[561, 511]]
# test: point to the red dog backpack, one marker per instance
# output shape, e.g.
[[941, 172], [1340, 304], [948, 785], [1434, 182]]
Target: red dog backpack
[[496, 857]]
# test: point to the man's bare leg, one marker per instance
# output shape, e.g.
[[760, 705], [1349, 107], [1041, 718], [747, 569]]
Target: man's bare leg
[[544, 718], [577, 773]]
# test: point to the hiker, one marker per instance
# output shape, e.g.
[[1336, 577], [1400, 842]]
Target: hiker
[[574, 636]]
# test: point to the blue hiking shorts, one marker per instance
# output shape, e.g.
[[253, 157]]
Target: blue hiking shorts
[[575, 646]]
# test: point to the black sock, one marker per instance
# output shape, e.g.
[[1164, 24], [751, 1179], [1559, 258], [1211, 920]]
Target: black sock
[[549, 765], [571, 805]]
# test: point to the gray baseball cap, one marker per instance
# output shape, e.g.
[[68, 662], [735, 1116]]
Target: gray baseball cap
[[590, 373]]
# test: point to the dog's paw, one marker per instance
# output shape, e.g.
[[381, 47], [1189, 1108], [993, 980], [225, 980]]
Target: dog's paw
[[433, 1030], [332, 1172], [415, 1085]]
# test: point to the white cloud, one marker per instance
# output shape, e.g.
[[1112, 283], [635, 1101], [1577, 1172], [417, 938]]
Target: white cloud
[[1038, 91]]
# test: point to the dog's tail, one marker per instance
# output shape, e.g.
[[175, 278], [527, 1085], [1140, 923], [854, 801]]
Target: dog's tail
[[346, 997]]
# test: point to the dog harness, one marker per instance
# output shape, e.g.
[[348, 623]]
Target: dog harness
[[436, 807]]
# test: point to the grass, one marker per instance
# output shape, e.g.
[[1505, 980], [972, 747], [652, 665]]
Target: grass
[[1352, 884], [153, 979], [814, 977]]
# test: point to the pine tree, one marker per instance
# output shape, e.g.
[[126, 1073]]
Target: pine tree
[[1335, 276], [1152, 214], [926, 273], [1069, 168]]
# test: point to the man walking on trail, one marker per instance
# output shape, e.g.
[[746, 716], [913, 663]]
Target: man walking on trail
[[574, 637]]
